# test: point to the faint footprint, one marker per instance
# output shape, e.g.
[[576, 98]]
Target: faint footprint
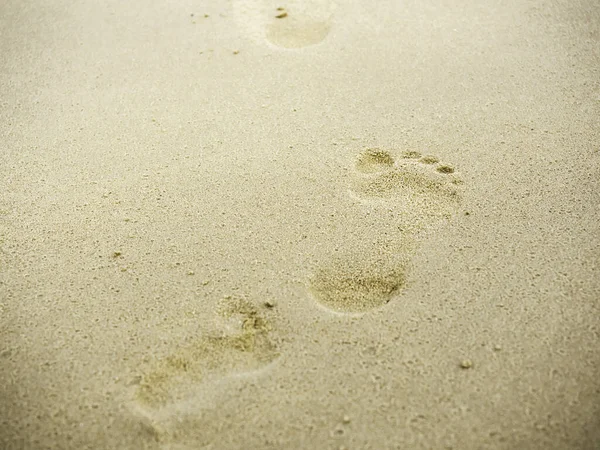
[[293, 24], [421, 192], [244, 345]]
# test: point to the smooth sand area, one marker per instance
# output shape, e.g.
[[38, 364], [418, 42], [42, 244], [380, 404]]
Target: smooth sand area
[[251, 224]]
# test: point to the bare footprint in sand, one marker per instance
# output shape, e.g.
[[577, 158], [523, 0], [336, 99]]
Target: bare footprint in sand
[[353, 285], [421, 192], [244, 345], [295, 24], [413, 178]]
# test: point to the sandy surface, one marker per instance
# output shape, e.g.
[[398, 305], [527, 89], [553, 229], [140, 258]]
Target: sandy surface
[[363, 225]]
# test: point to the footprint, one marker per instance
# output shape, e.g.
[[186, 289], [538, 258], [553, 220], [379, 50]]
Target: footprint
[[352, 285], [414, 177], [420, 192], [243, 345], [295, 24]]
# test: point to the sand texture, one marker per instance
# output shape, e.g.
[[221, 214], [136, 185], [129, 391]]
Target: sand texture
[[249, 224]]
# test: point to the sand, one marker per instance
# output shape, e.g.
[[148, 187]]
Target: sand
[[358, 225]]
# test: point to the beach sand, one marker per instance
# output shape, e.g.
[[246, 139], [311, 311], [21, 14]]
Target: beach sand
[[300, 225]]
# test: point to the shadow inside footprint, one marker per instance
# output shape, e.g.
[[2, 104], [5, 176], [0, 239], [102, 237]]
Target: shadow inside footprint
[[374, 160]]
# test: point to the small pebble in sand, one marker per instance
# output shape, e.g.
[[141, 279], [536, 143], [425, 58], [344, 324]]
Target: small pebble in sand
[[236, 52], [346, 419], [497, 348], [270, 304], [338, 431], [281, 15], [116, 254], [466, 364]]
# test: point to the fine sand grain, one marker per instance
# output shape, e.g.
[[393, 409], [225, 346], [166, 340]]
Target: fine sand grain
[[300, 225]]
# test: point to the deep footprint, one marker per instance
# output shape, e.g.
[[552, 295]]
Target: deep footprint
[[422, 192], [245, 347]]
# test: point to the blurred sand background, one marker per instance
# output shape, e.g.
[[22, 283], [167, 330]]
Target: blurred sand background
[[359, 225]]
